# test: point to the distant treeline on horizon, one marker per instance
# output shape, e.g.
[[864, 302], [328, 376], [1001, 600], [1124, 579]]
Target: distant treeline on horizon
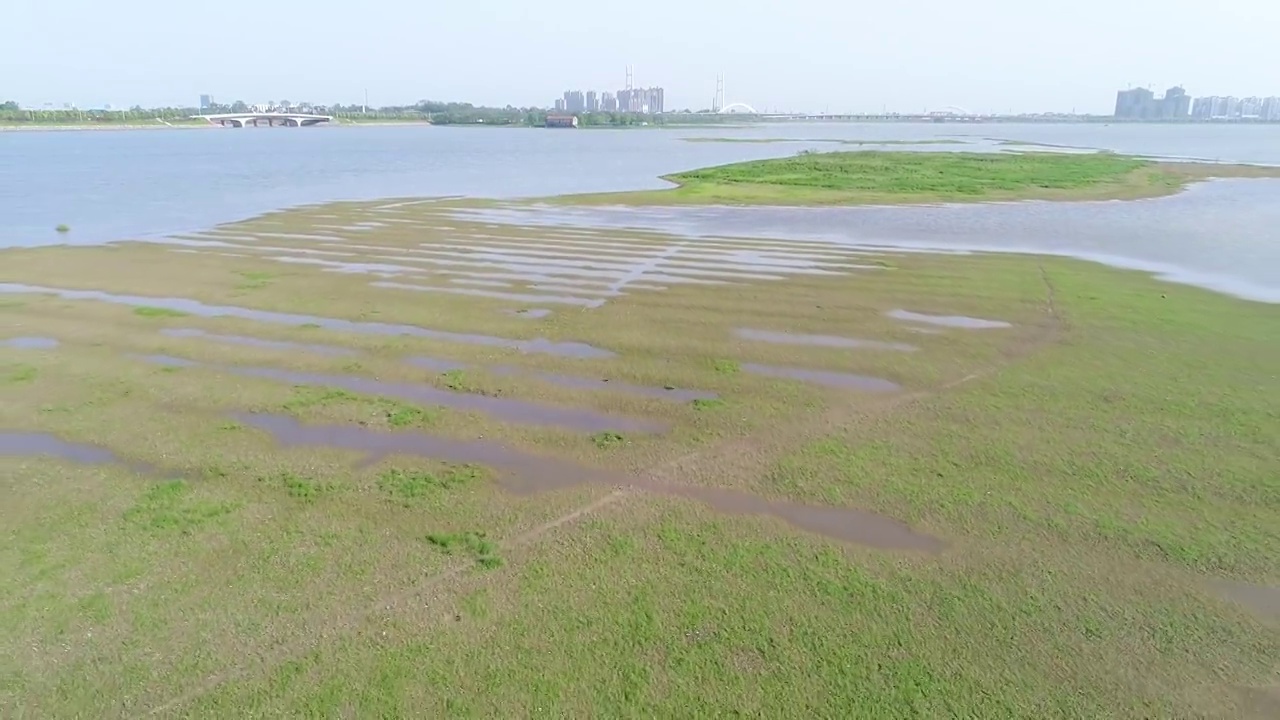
[[439, 113]]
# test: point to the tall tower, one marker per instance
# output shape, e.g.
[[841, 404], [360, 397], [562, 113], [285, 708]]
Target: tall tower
[[630, 78], [718, 105]]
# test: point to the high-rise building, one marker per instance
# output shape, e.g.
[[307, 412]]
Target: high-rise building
[[1176, 104], [654, 100], [628, 100], [574, 101], [1233, 107], [1271, 109], [1141, 104], [206, 102], [1251, 108], [1202, 108], [1134, 104]]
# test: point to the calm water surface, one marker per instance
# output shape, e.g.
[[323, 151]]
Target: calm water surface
[[113, 185]]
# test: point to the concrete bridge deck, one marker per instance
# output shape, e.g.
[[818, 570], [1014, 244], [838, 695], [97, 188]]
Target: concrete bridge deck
[[286, 119]]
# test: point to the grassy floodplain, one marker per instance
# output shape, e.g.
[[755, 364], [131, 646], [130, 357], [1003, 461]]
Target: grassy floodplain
[[1071, 511], [889, 177]]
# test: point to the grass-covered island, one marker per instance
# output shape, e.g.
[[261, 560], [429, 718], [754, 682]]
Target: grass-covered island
[[885, 177]]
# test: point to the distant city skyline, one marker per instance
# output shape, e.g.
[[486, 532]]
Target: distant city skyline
[[1141, 104], [629, 99], [986, 56]]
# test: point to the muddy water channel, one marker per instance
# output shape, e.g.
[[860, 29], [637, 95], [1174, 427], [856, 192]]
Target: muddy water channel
[[199, 309], [527, 474]]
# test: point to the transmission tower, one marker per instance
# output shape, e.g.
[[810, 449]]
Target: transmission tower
[[718, 105]]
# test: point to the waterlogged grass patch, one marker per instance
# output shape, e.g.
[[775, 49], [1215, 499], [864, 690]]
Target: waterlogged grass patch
[[409, 485], [19, 373], [705, 404], [475, 544], [254, 279], [157, 312], [397, 414], [726, 367], [310, 396], [606, 440], [302, 488], [401, 415], [457, 381], [170, 508]]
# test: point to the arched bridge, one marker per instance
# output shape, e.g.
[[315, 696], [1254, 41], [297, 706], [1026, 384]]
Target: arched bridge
[[286, 119], [732, 108]]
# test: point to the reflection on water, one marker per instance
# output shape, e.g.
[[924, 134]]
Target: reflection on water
[[521, 412], [527, 474], [1219, 235], [847, 524], [956, 321], [195, 307], [825, 377], [30, 343], [782, 338], [39, 444], [36, 444], [259, 342]]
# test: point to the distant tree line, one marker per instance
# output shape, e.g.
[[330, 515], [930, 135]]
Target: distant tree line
[[433, 111]]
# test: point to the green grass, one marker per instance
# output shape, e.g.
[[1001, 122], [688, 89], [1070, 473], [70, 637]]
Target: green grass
[[869, 177], [305, 489], [157, 312], [411, 485], [169, 508], [254, 279], [606, 440], [19, 373], [457, 381], [474, 544], [726, 367], [1096, 471], [307, 399]]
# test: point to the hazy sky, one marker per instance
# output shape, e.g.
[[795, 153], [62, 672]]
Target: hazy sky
[[980, 55]]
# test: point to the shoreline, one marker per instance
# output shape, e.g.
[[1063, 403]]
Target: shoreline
[[799, 180]]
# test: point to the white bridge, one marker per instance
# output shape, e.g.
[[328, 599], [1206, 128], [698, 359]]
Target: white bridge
[[286, 119]]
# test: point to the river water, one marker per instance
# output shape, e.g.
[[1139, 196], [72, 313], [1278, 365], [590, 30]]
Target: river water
[[115, 185]]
